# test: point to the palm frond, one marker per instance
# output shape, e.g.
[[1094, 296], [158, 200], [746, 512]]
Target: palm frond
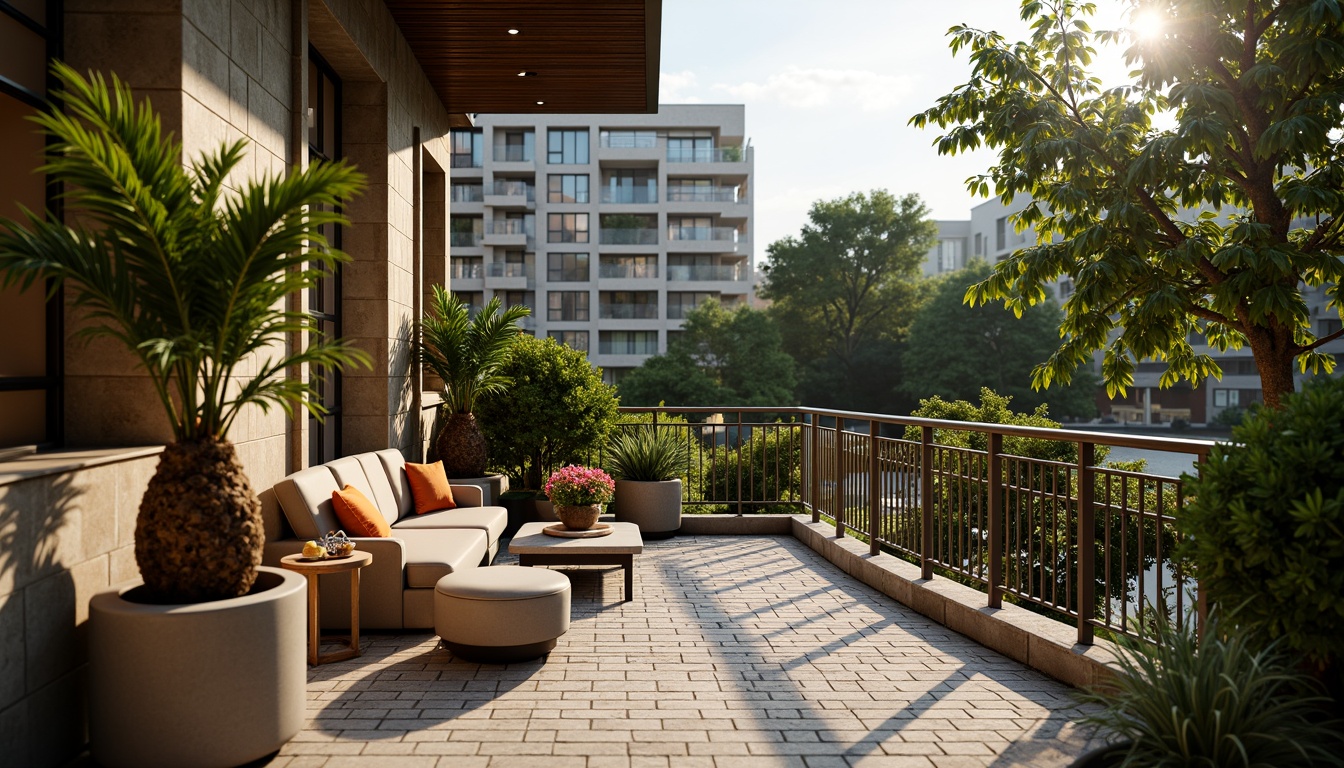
[[468, 354]]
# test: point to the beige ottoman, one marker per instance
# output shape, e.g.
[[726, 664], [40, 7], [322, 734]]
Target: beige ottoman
[[501, 613]]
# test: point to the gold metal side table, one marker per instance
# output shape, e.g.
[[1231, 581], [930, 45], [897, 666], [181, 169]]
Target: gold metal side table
[[314, 568]]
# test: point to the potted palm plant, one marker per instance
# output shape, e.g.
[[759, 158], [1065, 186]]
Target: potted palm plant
[[193, 280], [467, 354], [647, 463]]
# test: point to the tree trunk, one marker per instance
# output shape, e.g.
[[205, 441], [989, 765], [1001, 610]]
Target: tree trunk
[[199, 534], [1274, 353], [462, 446]]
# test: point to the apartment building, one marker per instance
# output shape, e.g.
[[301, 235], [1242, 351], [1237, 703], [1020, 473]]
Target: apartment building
[[611, 227], [989, 235]]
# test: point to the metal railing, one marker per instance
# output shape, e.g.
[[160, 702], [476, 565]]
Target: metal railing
[[465, 239], [725, 234], [508, 269], [630, 195], [509, 227], [467, 193], [510, 188], [705, 272], [609, 311], [628, 139], [627, 236], [703, 195], [637, 271], [704, 154], [466, 271], [1087, 543], [513, 154]]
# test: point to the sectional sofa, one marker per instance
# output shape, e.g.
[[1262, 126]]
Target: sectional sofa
[[397, 589]]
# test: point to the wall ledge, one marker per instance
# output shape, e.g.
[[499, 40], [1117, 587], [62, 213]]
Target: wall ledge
[[59, 462]]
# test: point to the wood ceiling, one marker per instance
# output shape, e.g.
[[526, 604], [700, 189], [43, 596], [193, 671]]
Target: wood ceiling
[[598, 56]]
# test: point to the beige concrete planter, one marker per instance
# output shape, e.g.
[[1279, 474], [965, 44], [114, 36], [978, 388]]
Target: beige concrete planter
[[205, 684], [655, 506]]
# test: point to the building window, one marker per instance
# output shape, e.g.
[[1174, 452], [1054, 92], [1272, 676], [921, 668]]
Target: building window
[[628, 342], [567, 305], [467, 148], [680, 303], [979, 244], [1001, 233], [567, 188], [465, 231], [566, 227], [631, 187], [30, 359], [567, 267], [614, 375], [628, 139], [1226, 398], [577, 340], [467, 193], [324, 299], [567, 147], [474, 300], [690, 149], [628, 267], [629, 305], [515, 298], [1328, 325], [517, 147], [467, 269]]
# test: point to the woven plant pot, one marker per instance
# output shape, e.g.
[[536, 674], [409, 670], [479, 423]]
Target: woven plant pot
[[580, 517]]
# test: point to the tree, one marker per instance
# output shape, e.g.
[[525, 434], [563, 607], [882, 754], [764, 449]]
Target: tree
[[557, 411], [723, 357], [192, 277], [849, 278], [1254, 92], [955, 350], [467, 354]]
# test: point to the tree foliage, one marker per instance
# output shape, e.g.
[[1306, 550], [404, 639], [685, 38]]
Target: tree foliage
[[556, 411], [722, 357], [955, 350], [849, 278], [1126, 207]]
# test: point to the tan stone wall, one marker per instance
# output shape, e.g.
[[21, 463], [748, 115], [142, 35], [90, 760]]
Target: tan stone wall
[[216, 70], [63, 538]]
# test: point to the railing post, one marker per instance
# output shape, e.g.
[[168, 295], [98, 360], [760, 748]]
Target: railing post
[[994, 480], [874, 488], [926, 501], [739, 463], [839, 478], [814, 470], [1087, 543]]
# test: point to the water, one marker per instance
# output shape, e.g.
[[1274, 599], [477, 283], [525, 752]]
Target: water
[[1159, 462]]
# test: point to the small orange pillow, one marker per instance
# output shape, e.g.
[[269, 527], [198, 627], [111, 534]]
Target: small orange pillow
[[429, 487], [358, 515]]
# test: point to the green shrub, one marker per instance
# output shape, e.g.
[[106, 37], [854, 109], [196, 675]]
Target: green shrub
[[557, 412], [1220, 701], [770, 463], [1264, 532], [1230, 417]]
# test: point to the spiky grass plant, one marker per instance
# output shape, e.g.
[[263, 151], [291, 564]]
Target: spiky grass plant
[[467, 354], [193, 279], [647, 454], [1218, 702]]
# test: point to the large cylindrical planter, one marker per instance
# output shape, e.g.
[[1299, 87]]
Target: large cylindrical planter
[[200, 685], [655, 506]]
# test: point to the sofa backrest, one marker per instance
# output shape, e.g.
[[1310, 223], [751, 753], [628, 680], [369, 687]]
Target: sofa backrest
[[305, 498], [351, 470], [394, 466]]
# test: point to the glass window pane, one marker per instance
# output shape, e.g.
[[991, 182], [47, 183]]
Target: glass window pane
[[23, 418]]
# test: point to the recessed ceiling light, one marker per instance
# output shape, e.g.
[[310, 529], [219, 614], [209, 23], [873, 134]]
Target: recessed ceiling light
[[513, 31], [539, 103], [527, 74]]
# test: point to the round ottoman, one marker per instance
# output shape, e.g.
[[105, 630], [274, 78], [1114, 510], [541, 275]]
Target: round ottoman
[[501, 613]]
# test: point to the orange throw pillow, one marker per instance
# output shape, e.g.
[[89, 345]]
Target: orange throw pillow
[[358, 515], [429, 487]]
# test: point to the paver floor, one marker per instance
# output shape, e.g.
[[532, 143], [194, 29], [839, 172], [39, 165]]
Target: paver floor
[[736, 652]]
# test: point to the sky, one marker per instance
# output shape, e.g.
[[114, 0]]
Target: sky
[[829, 88]]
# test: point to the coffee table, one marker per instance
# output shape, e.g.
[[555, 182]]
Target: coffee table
[[533, 547]]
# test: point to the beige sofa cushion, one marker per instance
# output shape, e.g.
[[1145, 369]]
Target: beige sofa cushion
[[433, 554], [394, 466], [492, 520], [349, 470], [305, 497]]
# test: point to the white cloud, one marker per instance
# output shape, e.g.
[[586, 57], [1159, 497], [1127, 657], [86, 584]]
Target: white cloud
[[678, 88], [812, 88]]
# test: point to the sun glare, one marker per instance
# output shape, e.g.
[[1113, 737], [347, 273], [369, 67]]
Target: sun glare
[[1147, 25]]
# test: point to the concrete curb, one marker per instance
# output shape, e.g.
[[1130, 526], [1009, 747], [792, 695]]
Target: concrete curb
[[1041, 643]]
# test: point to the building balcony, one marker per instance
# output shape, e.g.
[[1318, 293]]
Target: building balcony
[[466, 193], [704, 195], [707, 273], [628, 236], [629, 149], [630, 196], [510, 233], [627, 312], [508, 276], [706, 154], [514, 159], [465, 239], [510, 194], [628, 271]]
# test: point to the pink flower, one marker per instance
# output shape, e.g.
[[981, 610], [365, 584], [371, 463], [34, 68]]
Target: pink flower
[[575, 486]]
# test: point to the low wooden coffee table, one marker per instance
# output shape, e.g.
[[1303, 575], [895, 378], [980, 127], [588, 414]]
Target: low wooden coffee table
[[533, 547]]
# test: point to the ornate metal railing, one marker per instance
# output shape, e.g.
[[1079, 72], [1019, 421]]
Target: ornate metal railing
[[1084, 542]]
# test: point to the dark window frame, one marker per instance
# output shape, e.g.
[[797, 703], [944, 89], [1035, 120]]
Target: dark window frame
[[318, 430]]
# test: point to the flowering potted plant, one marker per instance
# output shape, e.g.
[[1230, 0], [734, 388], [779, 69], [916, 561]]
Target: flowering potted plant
[[578, 494]]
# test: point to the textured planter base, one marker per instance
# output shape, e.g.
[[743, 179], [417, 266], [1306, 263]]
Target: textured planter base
[[198, 685], [654, 506]]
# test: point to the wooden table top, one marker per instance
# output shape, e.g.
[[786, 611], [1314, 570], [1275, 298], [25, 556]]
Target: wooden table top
[[624, 540], [357, 559]]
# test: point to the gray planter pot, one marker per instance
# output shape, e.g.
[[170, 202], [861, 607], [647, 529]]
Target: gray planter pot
[[198, 685], [655, 506]]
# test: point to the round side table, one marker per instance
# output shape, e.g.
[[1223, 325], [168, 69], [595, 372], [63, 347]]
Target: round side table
[[314, 568]]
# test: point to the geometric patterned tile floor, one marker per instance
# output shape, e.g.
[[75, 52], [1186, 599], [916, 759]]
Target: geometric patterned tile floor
[[737, 652]]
